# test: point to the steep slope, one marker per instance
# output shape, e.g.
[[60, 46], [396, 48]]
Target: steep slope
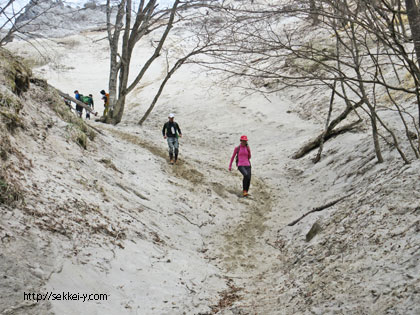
[[92, 212], [169, 240]]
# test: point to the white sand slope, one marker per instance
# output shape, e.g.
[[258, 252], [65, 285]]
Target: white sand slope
[[178, 239]]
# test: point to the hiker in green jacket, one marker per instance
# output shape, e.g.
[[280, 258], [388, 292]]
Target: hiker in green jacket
[[90, 104]]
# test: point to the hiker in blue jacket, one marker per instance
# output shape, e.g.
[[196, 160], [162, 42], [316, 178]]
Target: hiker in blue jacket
[[79, 109]]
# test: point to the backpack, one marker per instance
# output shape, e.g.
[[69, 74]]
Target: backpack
[[106, 98], [85, 99]]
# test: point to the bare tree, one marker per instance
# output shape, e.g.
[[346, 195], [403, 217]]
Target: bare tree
[[371, 41], [126, 31], [170, 72], [413, 13]]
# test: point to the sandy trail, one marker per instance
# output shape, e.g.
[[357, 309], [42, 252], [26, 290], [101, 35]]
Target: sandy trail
[[237, 244], [198, 191], [243, 247]]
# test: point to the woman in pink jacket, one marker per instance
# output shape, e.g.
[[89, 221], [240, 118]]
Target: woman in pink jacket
[[243, 154]]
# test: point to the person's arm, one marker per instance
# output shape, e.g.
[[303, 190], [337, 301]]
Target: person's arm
[[164, 129], [232, 158], [249, 152], [179, 130]]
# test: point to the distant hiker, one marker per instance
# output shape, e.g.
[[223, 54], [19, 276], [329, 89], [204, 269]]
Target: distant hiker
[[90, 104], [79, 109], [105, 97], [171, 132], [243, 155]]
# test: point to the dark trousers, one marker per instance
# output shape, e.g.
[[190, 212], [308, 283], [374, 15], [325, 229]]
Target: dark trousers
[[246, 172], [79, 110]]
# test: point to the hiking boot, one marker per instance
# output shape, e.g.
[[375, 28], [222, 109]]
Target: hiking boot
[[172, 161], [245, 193]]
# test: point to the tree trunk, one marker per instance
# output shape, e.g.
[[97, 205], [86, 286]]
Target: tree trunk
[[375, 135], [114, 32], [119, 102], [155, 99], [119, 87], [313, 12], [313, 144], [413, 14], [118, 111], [175, 67], [321, 144]]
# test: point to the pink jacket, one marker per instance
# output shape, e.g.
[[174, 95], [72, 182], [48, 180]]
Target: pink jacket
[[244, 155]]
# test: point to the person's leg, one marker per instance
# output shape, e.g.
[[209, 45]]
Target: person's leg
[[78, 111], [247, 178], [171, 148], [176, 148], [246, 172], [106, 109]]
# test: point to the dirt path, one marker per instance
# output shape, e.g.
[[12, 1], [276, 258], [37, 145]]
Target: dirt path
[[236, 243], [242, 249]]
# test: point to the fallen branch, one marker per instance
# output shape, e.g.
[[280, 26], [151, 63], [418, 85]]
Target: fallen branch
[[129, 189], [199, 225], [317, 209], [68, 97], [315, 143], [96, 129], [329, 132]]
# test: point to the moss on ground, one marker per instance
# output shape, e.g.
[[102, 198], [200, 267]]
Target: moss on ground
[[15, 74], [78, 130], [9, 193]]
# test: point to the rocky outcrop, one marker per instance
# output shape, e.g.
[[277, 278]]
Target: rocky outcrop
[[50, 18]]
